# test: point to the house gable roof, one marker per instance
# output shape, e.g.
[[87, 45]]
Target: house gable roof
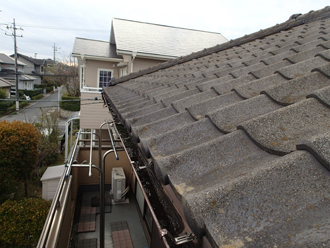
[[33, 60], [241, 133], [4, 83], [94, 48], [5, 59], [159, 40]]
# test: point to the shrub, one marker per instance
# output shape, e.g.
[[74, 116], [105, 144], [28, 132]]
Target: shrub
[[48, 88], [37, 97], [18, 150], [4, 105], [70, 105], [21, 222], [32, 93], [3, 94]]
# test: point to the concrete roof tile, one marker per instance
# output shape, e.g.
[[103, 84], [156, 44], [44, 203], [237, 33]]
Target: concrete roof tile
[[296, 89], [232, 184], [227, 119], [254, 87], [181, 95], [162, 126], [269, 70], [201, 108], [182, 104], [285, 198], [279, 131], [302, 68], [182, 138]]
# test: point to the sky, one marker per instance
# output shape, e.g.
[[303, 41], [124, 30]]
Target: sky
[[46, 24]]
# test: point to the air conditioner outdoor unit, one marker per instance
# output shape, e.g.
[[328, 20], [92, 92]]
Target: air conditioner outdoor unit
[[118, 182]]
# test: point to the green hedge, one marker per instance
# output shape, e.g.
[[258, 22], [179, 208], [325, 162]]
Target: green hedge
[[32, 93], [37, 97], [5, 105], [70, 105], [42, 86]]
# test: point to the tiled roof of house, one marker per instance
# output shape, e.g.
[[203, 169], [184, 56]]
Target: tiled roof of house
[[96, 48], [33, 60], [4, 83], [242, 133], [5, 59], [153, 39]]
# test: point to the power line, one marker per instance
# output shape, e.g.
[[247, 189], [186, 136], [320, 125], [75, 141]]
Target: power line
[[61, 28]]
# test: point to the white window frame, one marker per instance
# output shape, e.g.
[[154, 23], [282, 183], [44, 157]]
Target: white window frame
[[98, 75]]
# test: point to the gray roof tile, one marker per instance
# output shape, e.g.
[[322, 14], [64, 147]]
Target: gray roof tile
[[181, 105], [281, 204], [162, 126], [297, 89], [323, 95], [198, 110], [187, 136], [279, 131], [253, 88], [319, 146], [269, 70], [250, 186], [181, 95], [228, 118], [302, 68], [151, 117]]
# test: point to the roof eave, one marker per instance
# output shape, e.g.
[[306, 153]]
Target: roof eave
[[93, 57], [147, 55]]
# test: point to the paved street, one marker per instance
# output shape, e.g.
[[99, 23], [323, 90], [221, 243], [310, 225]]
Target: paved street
[[31, 112]]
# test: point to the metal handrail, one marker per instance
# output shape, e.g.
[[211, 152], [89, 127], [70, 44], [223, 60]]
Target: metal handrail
[[111, 138], [51, 213], [73, 151]]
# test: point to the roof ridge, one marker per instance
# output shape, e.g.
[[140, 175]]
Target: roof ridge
[[299, 20], [92, 39], [167, 26]]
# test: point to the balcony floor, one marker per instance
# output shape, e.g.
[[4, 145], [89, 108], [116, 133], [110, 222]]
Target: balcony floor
[[123, 227]]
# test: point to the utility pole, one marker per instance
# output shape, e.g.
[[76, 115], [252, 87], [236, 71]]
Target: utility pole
[[55, 50], [16, 67]]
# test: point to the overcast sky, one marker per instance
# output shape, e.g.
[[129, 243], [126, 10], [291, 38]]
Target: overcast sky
[[58, 22]]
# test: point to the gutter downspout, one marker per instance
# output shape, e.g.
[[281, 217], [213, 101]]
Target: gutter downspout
[[133, 58]]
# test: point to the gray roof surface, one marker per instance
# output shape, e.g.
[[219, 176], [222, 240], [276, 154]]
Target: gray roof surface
[[241, 132], [5, 59], [148, 38], [96, 48], [4, 83]]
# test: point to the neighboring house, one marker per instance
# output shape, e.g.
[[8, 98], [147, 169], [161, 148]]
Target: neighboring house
[[240, 134], [34, 67], [6, 86], [236, 138], [134, 46], [7, 72]]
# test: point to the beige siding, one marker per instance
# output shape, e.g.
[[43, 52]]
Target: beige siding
[[92, 112], [91, 73], [140, 64]]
